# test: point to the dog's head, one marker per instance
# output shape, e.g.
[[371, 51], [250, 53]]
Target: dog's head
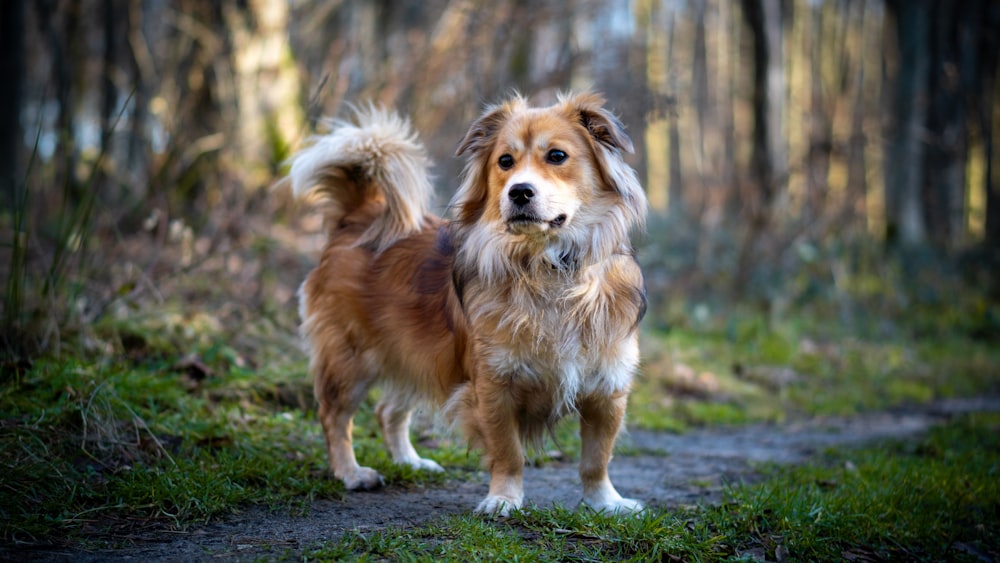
[[551, 177]]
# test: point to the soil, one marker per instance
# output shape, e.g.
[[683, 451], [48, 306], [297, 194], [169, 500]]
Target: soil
[[662, 470]]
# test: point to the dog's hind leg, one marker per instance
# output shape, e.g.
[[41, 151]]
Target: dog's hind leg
[[339, 398], [394, 412]]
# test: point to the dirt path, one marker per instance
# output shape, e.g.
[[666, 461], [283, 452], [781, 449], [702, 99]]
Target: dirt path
[[670, 470]]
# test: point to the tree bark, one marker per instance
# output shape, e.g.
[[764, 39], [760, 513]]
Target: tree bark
[[946, 153], [12, 69], [768, 161], [905, 225], [676, 181], [989, 112], [857, 183], [820, 129]]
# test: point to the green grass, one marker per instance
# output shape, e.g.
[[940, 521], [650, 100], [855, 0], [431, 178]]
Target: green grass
[[86, 447], [92, 448], [936, 499], [537, 535], [762, 371], [932, 500]]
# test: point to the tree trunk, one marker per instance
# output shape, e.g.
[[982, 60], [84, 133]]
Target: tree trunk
[[991, 123], [903, 168], [946, 152], [989, 112], [142, 72], [676, 181], [820, 129], [769, 158], [12, 69], [730, 25], [699, 85], [857, 183]]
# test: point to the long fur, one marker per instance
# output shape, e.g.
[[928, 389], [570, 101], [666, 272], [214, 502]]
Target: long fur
[[514, 314], [377, 159]]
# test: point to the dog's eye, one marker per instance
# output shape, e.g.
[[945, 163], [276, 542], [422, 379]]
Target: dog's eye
[[556, 156], [506, 162]]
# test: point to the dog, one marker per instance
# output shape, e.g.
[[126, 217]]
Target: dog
[[521, 309]]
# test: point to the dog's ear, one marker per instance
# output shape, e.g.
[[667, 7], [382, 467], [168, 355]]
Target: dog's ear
[[483, 131], [469, 201], [609, 141], [602, 125]]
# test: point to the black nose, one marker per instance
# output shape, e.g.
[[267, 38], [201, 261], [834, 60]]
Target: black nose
[[521, 194]]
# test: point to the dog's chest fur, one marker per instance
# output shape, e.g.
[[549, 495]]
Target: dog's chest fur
[[557, 330]]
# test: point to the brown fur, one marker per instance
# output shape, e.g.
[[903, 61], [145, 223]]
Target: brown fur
[[520, 311]]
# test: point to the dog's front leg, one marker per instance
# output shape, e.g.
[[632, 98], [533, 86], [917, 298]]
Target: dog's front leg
[[497, 421], [600, 419]]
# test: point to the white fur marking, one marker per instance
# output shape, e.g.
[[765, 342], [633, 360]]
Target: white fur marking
[[604, 498]]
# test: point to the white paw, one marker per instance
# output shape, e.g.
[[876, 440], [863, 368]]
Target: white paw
[[362, 479], [495, 505], [424, 464], [623, 507], [620, 506]]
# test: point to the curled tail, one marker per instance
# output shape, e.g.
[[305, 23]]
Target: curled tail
[[376, 158]]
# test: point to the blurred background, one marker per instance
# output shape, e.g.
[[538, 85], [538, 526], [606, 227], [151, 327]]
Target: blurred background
[[824, 159]]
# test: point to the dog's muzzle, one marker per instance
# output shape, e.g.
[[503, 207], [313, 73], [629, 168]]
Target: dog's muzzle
[[522, 211]]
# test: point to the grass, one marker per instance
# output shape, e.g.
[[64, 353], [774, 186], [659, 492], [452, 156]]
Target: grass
[[87, 448], [933, 500], [538, 535], [93, 449], [177, 427], [744, 369], [73, 226]]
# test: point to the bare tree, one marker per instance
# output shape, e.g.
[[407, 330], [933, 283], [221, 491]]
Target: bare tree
[[988, 110], [904, 170], [12, 68], [769, 158]]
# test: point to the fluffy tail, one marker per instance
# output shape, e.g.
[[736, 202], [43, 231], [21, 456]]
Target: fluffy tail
[[378, 157]]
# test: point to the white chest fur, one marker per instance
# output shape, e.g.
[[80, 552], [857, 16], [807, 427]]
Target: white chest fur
[[556, 334]]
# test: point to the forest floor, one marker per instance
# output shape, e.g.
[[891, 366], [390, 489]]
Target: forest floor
[[665, 470], [194, 437]]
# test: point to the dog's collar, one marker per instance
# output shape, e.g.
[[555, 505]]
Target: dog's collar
[[568, 261]]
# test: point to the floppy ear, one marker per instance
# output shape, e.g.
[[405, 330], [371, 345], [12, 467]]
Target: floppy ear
[[470, 199], [609, 142], [483, 131], [602, 125]]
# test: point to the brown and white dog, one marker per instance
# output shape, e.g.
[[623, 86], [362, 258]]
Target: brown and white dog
[[522, 309]]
